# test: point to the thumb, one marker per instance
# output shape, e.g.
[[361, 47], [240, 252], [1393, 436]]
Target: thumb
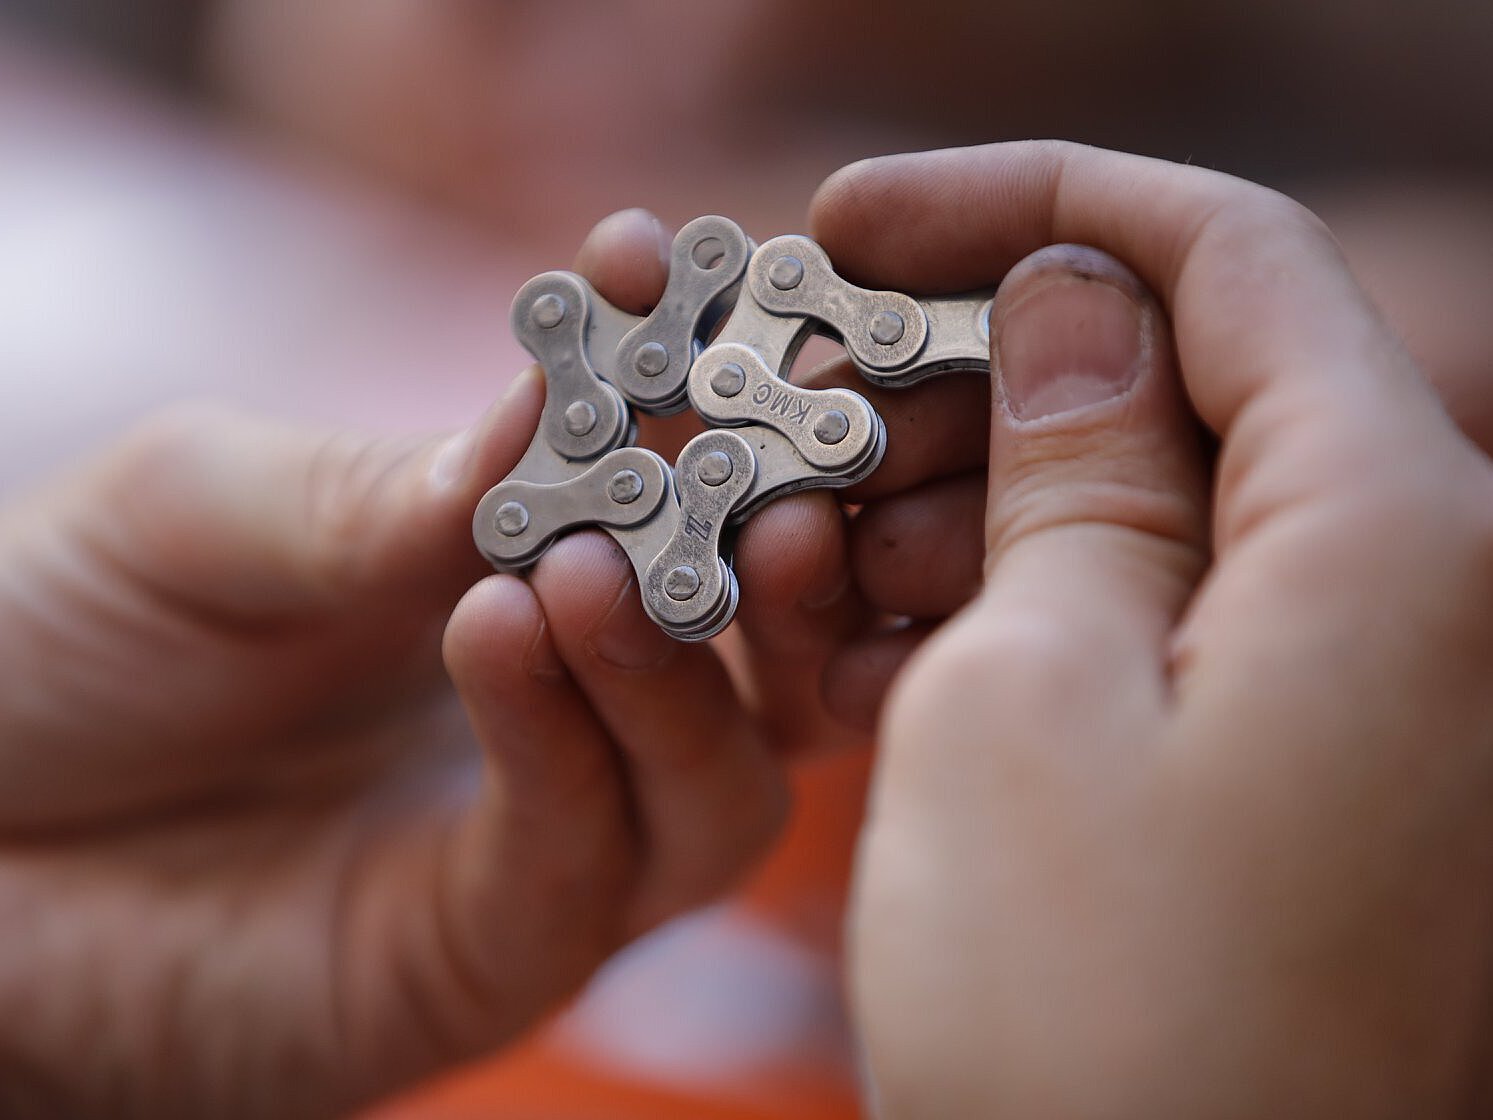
[[1097, 514], [250, 517]]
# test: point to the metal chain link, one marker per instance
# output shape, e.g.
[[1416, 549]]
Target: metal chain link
[[768, 438]]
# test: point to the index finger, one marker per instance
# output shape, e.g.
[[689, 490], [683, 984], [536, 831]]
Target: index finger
[[1260, 297]]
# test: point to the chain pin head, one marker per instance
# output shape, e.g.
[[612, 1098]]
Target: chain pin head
[[786, 273], [887, 327], [715, 468], [548, 311], [580, 417], [625, 487], [511, 519], [681, 583], [832, 427], [729, 380], [651, 359]]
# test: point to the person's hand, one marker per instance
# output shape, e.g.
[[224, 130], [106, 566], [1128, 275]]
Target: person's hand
[[252, 860], [1186, 813]]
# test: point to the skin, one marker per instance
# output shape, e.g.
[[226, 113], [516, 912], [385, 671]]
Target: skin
[[1190, 743], [1185, 812], [259, 853]]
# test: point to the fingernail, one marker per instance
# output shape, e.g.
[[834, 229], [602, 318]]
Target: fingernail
[[1071, 343], [664, 240], [827, 594], [450, 466], [541, 660], [628, 639], [451, 462]]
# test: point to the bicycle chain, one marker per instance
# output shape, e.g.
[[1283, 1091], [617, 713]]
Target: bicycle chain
[[768, 438]]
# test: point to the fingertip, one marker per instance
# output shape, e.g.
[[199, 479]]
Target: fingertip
[[1072, 328], [859, 675], [590, 594], [896, 221], [825, 206], [841, 200], [793, 553], [797, 595], [843, 219], [920, 553], [498, 626], [469, 462], [1080, 261], [579, 577], [626, 258]]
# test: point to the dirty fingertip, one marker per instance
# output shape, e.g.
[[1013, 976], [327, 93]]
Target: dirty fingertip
[[626, 258]]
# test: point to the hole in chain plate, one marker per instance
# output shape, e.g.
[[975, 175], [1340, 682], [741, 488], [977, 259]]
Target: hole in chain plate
[[708, 253], [816, 351]]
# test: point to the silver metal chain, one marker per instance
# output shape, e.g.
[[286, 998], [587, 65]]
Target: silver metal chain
[[768, 437]]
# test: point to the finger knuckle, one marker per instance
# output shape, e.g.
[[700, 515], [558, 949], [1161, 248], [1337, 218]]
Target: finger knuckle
[[1033, 506], [345, 475], [1259, 234], [168, 444]]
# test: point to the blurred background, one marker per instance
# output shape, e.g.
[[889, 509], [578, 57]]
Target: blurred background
[[323, 209]]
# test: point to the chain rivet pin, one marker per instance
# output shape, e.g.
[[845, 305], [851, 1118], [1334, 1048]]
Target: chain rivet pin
[[887, 328], [729, 380], [786, 273], [580, 418], [832, 427], [681, 583], [651, 359], [625, 487], [548, 311], [511, 519], [715, 468]]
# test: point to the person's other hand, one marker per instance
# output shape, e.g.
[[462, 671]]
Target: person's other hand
[[1186, 813], [252, 860]]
